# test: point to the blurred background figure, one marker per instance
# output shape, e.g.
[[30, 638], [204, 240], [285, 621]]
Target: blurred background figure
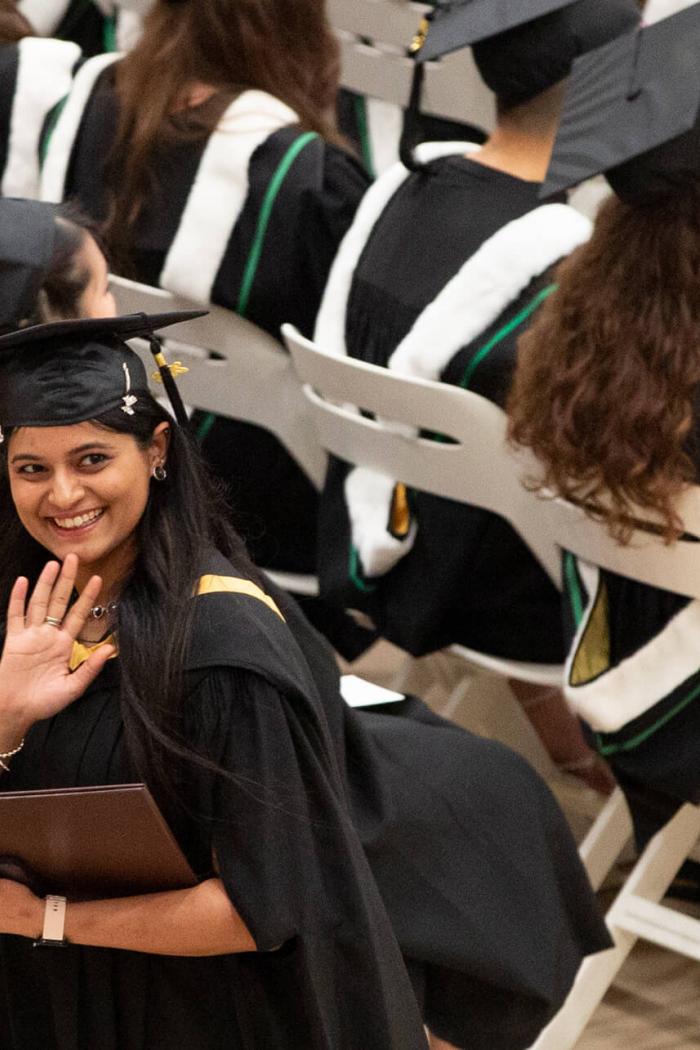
[[445, 265], [605, 393]]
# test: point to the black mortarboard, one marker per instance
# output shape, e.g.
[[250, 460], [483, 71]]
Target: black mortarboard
[[454, 24], [632, 111], [521, 47], [70, 371], [27, 237], [523, 61]]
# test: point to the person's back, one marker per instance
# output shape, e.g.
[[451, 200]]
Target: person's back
[[234, 190], [606, 395], [445, 265]]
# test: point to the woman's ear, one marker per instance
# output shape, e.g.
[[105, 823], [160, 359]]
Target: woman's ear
[[160, 441]]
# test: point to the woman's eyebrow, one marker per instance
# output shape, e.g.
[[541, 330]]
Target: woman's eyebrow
[[27, 457], [103, 446]]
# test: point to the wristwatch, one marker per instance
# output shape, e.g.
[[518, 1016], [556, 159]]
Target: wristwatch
[[54, 923]]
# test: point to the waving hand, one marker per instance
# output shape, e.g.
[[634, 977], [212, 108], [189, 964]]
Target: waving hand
[[35, 681]]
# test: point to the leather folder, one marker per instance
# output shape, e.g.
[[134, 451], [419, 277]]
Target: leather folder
[[93, 842]]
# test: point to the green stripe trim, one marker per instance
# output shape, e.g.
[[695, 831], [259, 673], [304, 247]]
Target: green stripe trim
[[641, 738], [251, 267], [355, 573], [573, 587], [205, 426], [109, 36], [360, 105], [256, 248], [51, 122], [503, 333]]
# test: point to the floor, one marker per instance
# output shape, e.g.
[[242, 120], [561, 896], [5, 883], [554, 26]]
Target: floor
[[654, 1002], [653, 1005]]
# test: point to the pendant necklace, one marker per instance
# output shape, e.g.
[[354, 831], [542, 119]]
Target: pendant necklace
[[98, 612]]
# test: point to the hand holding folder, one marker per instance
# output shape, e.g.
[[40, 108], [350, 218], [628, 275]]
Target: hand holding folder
[[94, 842]]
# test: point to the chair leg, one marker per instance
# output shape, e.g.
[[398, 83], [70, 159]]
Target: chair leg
[[608, 836], [651, 877]]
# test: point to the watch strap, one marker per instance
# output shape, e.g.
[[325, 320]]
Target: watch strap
[[54, 923]]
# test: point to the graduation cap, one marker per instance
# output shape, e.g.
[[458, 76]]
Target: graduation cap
[[633, 111], [27, 237], [454, 24], [68, 372], [521, 47]]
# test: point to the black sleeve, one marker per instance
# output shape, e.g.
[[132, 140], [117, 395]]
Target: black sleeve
[[277, 820], [327, 213], [9, 65]]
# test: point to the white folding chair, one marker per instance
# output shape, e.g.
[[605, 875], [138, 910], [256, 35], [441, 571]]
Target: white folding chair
[[382, 69], [478, 468], [236, 370], [468, 468], [636, 912], [374, 38]]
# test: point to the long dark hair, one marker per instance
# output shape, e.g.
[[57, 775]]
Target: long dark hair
[[283, 47], [607, 376], [184, 516]]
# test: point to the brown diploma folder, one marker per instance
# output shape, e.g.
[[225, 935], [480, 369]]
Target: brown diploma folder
[[92, 842]]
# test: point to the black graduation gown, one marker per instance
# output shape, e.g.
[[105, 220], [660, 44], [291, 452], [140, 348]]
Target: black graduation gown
[[472, 857], [34, 76], [289, 858], [633, 674], [468, 578], [274, 502]]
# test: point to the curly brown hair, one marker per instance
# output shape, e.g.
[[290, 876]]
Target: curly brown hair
[[607, 375]]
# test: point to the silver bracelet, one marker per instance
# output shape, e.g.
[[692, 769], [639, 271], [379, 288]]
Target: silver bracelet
[[10, 754]]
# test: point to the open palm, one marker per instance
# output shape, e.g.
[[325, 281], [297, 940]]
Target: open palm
[[35, 680]]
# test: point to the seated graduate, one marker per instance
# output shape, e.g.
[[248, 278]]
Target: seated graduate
[[209, 155], [605, 394], [193, 673], [443, 266], [71, 281], [35, 75]]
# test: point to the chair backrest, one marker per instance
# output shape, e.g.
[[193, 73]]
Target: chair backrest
[[478, 466], [235, 370], [374, 38], [647, 559], [475, 466]]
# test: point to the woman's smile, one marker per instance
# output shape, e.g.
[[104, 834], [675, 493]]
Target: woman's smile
[[77, 525], [82, 489]]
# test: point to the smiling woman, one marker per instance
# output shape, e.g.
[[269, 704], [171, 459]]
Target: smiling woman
[[327, 842], [83, 489]]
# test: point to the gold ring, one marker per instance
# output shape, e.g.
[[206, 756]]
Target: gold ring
[[55, 621]]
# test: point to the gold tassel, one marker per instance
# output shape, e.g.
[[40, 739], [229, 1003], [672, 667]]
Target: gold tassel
[[420, 37], [176, 369], [400, 519]]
